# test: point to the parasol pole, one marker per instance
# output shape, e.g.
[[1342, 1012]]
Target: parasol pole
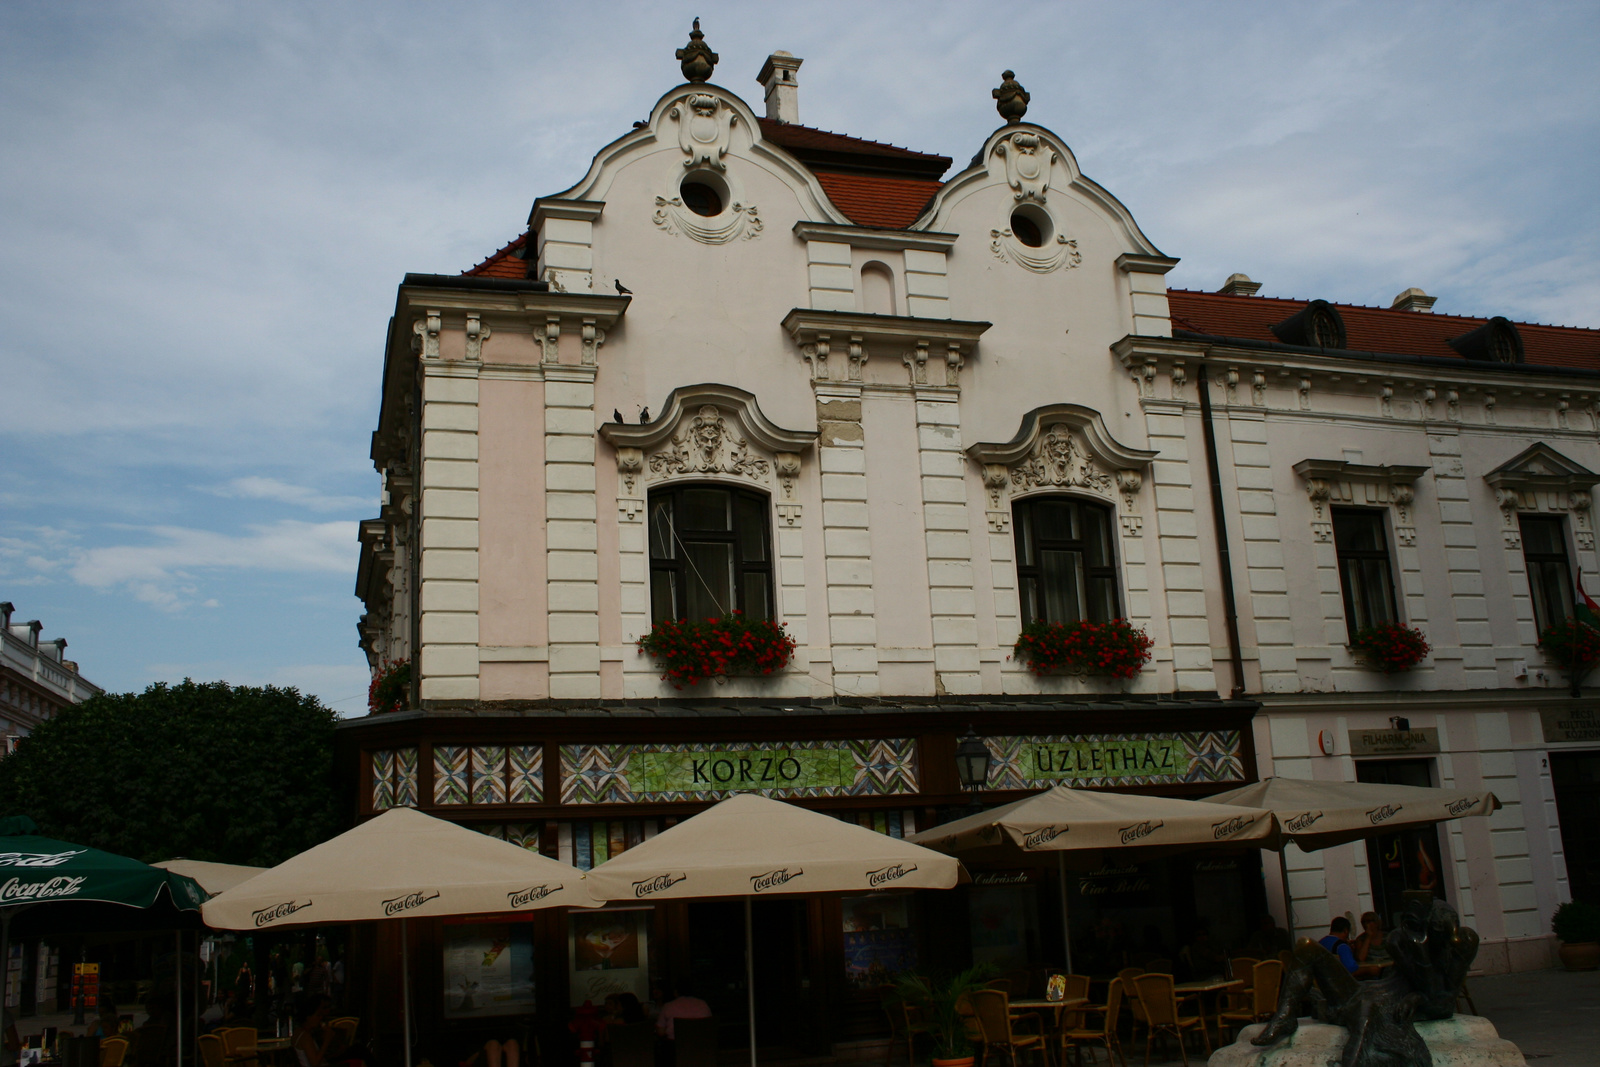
[[405, 987], [750, 976], [177, 991], [1066, 930]]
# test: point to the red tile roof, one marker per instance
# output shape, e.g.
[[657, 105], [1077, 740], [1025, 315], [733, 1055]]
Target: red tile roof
[[880, 201], [504, 263], [803, 141], [1370, 329]]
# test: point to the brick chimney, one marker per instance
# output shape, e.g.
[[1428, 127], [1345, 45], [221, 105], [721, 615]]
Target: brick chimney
[[777, 77], [1239, 285], [1413, 299]]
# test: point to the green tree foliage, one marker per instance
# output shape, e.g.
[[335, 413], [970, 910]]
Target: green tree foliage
[[204, 771]]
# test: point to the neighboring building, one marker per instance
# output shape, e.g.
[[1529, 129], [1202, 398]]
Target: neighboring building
[[36, 678], [903, 414]]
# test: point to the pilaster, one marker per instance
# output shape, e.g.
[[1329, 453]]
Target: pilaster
[[948, 537], [449, 522], [1178, 533], [571, 538], [847, 543], [1463, 561]]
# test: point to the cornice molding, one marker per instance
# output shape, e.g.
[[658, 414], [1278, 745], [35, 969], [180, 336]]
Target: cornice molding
[[555, 207], [1139, 263], [804, 324], [1086, 421], [860, 237], [1384, 473]]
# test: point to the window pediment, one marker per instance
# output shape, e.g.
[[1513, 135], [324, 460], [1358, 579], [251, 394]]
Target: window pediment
[[1541, 479], [1063, 447], [1335, 481]]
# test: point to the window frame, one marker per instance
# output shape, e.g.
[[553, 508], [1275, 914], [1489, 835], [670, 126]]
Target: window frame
[[679, 565], [1535, 601], [1022, 511], [1385, 554]]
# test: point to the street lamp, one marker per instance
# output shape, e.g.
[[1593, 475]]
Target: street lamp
[[972, 764]]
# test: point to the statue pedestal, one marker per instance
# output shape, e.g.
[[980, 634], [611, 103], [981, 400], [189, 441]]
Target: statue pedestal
[[1464, 1041]]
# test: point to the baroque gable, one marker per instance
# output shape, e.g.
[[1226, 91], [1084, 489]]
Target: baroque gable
[[707, 431], [1063, 447]]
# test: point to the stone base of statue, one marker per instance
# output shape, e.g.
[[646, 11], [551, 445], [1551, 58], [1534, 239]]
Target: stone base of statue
[[1462, 1041]]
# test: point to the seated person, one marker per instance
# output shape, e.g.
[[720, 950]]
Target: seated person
[[312, 1035], [107, 1024], [1268, 940], [1201, 958], [1337, 941], [682, 1006], [1370, 950], [496, 1053]]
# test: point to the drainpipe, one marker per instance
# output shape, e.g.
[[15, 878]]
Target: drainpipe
[[1230, 608]]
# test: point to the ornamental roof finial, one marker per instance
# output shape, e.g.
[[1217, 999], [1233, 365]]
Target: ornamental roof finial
[[1011, 99], [697, 58]]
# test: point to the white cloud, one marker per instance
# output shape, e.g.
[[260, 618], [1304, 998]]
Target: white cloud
[[255, 487], [163, 573]]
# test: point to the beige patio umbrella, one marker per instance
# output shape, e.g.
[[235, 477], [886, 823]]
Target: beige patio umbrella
[[1063, 820], [749, 846], [1317, 815], [214, 878], [401, 865], [1320, 814]]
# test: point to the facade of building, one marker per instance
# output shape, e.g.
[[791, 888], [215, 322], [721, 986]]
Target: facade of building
[[36, 678], [745, 364]]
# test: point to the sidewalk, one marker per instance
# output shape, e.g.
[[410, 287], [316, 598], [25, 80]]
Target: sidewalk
[[1552, 1016]]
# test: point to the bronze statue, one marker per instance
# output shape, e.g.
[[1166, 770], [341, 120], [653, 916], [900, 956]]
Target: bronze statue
[[697, 58], [1431, 953], [1011, 99]]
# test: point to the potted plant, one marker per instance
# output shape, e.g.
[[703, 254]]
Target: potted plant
[[940, 1003], [1574, 645], [1577, 924], [1114, 649], [1390, 647], [389, 687], [690, 651]]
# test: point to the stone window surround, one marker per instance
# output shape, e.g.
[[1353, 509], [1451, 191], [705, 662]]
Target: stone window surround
[[1563, 487], [1331, 482]]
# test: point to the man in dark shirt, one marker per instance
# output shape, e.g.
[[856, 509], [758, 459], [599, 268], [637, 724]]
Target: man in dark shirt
[[1338, 943]]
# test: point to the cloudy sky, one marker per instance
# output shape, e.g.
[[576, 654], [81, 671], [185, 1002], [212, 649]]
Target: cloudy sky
[[205, 208]]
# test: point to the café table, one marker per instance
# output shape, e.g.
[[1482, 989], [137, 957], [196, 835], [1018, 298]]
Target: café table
[[1198, 990], [1056, 1007], [272, 1049]]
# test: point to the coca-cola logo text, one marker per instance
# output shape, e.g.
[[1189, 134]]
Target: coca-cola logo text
[[524, 897], [1238, 823], [37, 859], [1043, 836], [760, 883], [660, 883], [277, 911], [888, 874], [1385, 813], [1138, 830], [17, 889], [1456, 807], [1303, 821], [395, 905]]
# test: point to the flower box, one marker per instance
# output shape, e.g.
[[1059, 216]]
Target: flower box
[[1115, 649], [1573, 645], [389, 687], [1389, 647], [690, 651]]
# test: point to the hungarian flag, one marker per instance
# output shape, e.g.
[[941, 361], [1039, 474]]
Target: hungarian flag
[[1585, 610]]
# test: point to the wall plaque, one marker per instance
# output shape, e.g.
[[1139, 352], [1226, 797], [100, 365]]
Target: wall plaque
[[1420, 741], [1562, 724], [631, 774], [1126, 759]]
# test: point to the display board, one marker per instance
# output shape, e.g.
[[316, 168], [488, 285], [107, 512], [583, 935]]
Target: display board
[[1120, 759], [628, 774], [878, 939], [488, 970], [608, 951]]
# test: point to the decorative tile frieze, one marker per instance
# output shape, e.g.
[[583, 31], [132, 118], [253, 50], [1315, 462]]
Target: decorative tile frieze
[[394, 778], [488, 774], [1115, 759]]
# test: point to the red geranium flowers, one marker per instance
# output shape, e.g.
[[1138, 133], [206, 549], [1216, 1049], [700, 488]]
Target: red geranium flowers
[[688, 652]]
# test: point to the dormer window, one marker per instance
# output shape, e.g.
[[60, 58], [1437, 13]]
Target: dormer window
[[1317, 325], [1496, 341]]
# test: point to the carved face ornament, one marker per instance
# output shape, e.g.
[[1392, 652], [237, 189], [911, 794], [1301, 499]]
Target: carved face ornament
[[706, 432]]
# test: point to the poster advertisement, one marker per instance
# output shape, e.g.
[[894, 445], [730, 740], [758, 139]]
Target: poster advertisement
[[878, 940], [1004, 925], [488, 970], [609, 951]]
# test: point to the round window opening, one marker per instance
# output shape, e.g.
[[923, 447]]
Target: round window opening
[[1030, 229], [701, 198]]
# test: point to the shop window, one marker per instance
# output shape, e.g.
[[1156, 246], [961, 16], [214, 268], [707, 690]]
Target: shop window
[[1544, 548], [1364, 571], [710, 553], [1065, 565]]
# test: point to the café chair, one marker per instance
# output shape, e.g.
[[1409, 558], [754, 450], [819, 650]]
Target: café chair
[[1261, 998], [1131, 992], [1000, 1028], [1240, 969], [1076, 987], [1004, 985], [1079, 1037], [239, 1045], [905, 1024], [113, 1050], [632, 1044], [1158, 966], [212, 1054], [696, 1042], [345, 1026], [1160, 1003]]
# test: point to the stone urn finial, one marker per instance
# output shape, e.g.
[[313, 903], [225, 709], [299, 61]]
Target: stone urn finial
[[697, 57], [1011, 99]]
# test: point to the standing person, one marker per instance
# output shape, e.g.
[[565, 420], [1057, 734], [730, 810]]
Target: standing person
[[1337, 942]]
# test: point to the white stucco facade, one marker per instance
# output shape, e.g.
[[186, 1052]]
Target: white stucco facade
[[893, 394]]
